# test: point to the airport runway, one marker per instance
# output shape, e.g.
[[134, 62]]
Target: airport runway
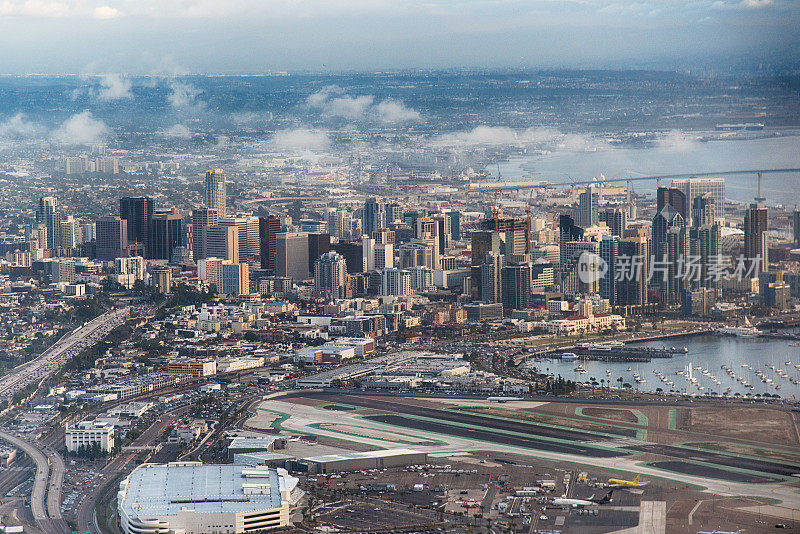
[[699, 470], [493, 437]]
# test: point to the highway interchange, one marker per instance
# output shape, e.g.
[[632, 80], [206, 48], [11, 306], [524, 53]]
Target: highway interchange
[[46, 494]]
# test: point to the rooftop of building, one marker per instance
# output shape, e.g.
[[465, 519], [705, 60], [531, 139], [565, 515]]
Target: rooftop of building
[[153, 490]]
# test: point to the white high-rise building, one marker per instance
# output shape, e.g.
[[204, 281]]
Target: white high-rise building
[[695, 187], [330, 274], [395, 282]]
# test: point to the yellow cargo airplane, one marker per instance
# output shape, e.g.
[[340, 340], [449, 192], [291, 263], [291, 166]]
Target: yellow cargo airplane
[[620, 483]]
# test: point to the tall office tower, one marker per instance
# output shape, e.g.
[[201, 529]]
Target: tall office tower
[[222, 242], [587, 207], [268, 228], [249, 236], [235, 278], [214, 193], [673, 282], [632, 285], [616, 219], [756, 236], [112, 238], [516, 286], [384, 255], [421, 279], [609, 250], [491, 286], [416, 253], [705, 244], [48, 215], [368, 247], [209, 270], [166, 233], [202, 218], [374, 216], [353, 254], [671, 196], [455, 224], [703, 210], [383, 236], [428, 232], [568, 230], [395, 282], [695, 187], [572, 256], [138, 211], [69, 231], [443, 232], [516, 235], [482, 241], [330, 274], [394, 213], [318, 244], [339, 223], [796, 227], [666, 218], [291, 255]]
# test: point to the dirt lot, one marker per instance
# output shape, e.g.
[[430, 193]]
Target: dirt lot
[[623, 416], [758, 424]]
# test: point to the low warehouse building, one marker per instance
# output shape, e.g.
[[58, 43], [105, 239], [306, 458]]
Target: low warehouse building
[[357, 461], [193, 498]]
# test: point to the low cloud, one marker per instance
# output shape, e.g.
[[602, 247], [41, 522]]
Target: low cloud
[[34, 8], [19, 128], [114, 87], [333, 102], [81, 129], [676, 141], [177, 131], [185, 96], [301, 139], [496, 136]]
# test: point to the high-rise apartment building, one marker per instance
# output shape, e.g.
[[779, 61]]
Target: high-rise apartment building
[[374, 216], [587, 207], [48, 215], [330, 274], [516, 286]]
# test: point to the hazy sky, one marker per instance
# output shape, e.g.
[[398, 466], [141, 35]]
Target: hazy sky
[[255, 36]]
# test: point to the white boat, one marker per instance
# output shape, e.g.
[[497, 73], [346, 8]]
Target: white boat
[[745, 330]]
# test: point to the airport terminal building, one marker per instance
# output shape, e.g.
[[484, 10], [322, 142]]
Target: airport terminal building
[[192, 498]]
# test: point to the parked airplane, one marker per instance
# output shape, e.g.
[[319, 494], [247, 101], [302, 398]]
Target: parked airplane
[[580, 503], [622, 483]]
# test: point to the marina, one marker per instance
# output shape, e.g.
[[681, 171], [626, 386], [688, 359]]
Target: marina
[[711, 365]]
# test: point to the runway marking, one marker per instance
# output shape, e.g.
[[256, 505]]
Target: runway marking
[[696, 506]]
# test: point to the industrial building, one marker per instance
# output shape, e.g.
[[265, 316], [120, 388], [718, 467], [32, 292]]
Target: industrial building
[[193, 498], [357, 461]]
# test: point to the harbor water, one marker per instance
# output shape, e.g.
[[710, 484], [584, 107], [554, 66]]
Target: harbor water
[[766, 365]]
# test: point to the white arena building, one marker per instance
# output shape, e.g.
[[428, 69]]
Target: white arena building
[[192, 498]]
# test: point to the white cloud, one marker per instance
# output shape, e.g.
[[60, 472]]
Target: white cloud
[[390, 111], [676, 141], [177, 131], [106, 13], [185, 96], [301, 139], [18, 127], [81, 129], [114, 87], [496, 136], [333, 102]]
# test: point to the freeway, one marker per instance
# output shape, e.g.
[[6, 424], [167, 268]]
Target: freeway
[[51, 360], [41, 510]]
